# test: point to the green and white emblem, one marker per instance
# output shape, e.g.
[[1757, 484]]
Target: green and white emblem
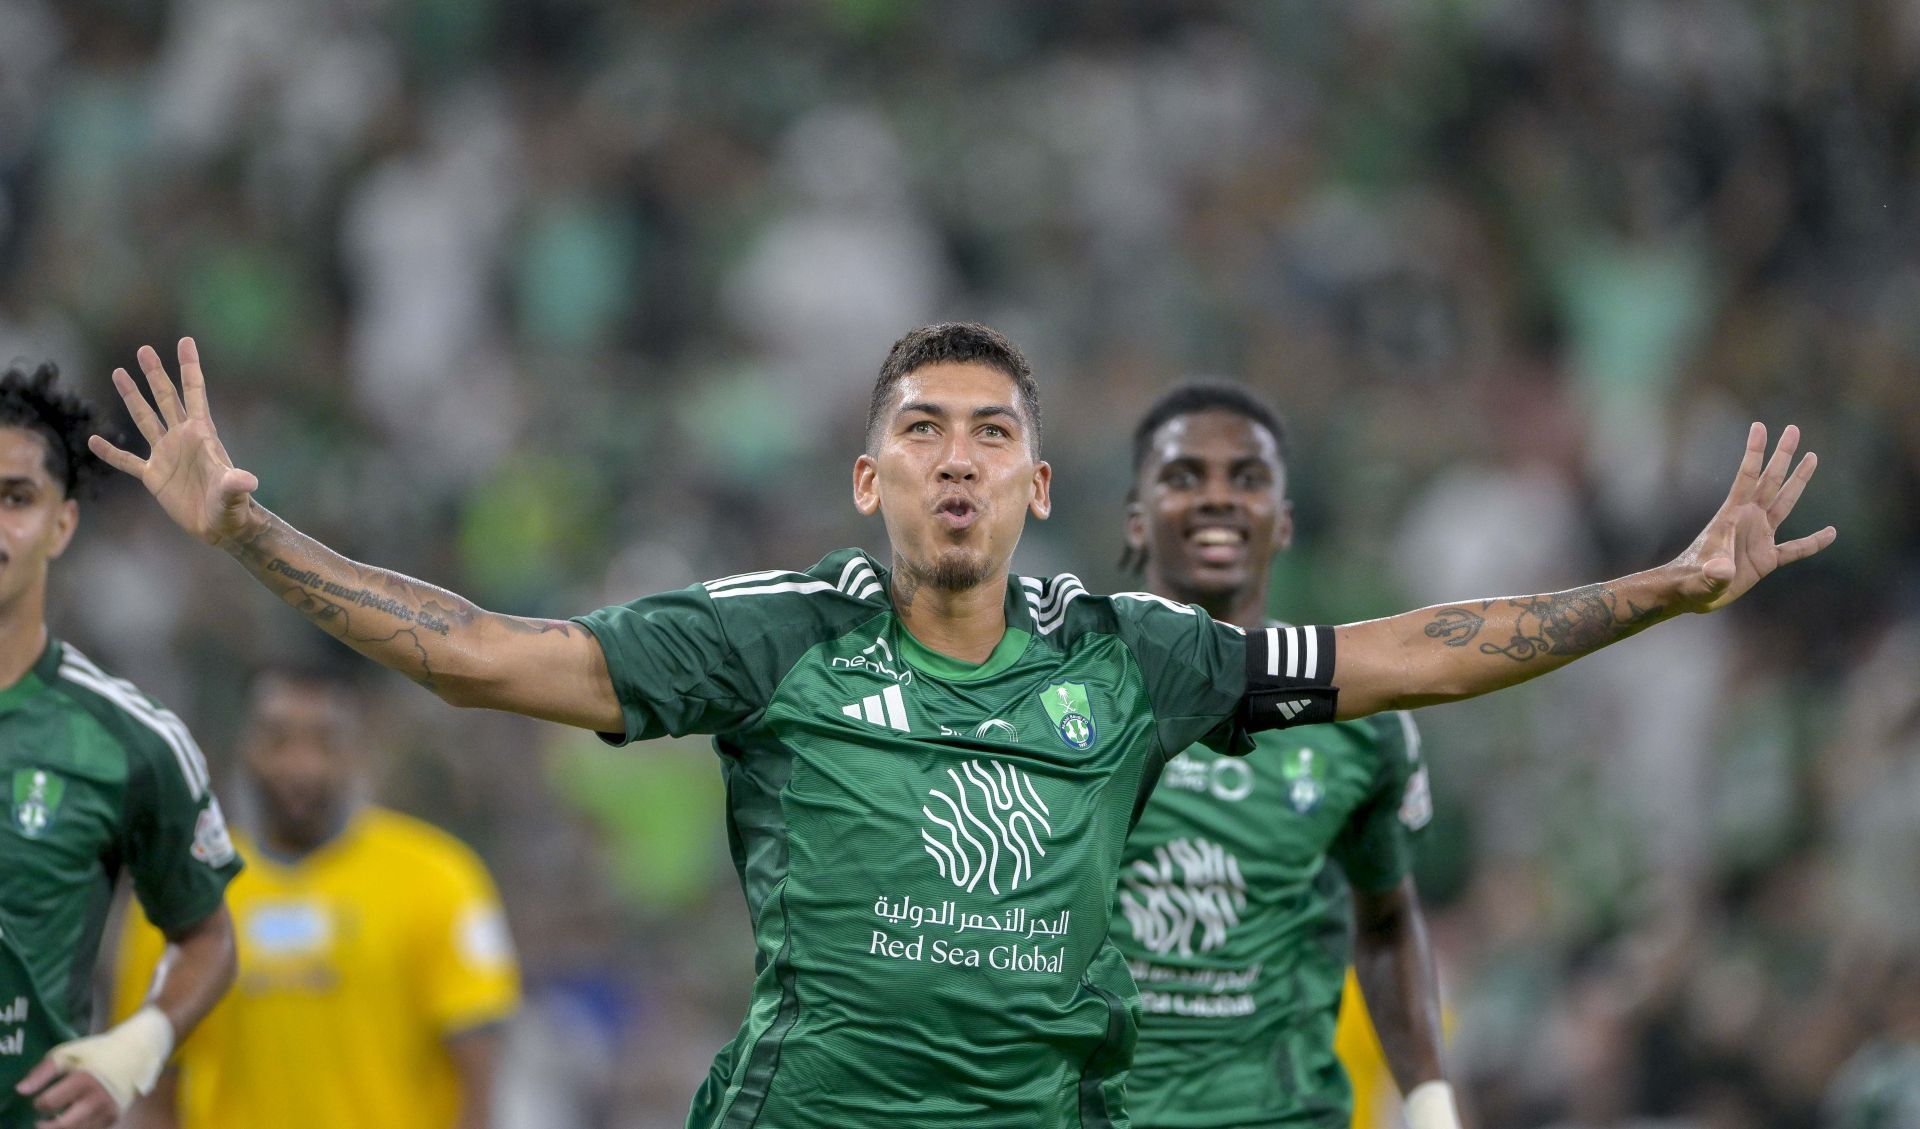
[[36, 799], [1072, 715], [1302, 773]]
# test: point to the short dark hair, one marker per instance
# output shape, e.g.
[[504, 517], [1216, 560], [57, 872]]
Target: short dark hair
[[316, 669], [1191, 397], [30, 400], [958, 342]]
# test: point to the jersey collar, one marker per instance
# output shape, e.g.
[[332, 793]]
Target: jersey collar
[[928, 661], [925, 659]]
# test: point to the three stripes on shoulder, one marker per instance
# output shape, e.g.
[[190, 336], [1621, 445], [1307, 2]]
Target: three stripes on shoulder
[[857, 579], [81, 671]]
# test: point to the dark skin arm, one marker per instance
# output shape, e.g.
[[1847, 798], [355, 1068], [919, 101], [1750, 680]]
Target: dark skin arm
[[475, 1054], [195, 971], [1394, 965]]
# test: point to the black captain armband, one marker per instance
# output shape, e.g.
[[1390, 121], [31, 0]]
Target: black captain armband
[[1289, 678]]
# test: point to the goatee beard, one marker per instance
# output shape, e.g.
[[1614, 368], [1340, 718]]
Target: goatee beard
[[956, 571]]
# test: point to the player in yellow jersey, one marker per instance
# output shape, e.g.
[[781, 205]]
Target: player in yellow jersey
[[375, 964], [1357, 1045]]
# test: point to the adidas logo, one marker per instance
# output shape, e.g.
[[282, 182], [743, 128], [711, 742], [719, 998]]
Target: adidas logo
[[1291, 710], [888, 708]]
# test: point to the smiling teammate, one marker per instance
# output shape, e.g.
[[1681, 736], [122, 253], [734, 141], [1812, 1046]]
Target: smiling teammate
[[1235, 927], [98, 778], [931, 769]]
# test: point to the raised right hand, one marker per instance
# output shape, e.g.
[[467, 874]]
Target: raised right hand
[[186, 469]]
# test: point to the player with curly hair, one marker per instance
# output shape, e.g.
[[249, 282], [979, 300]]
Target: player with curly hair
[[97, 778]]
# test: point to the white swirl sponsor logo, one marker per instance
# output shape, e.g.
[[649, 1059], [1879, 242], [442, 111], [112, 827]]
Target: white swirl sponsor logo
[[990, 825]]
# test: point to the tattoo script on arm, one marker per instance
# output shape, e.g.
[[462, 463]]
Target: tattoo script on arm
[[393, 619]]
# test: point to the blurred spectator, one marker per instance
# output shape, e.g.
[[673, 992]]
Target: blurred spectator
[[591, 278]]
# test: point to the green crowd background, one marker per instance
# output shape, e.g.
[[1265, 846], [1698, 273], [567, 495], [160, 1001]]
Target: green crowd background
[[558, 302]]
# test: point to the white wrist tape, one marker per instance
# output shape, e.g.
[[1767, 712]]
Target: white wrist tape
[[1430, 1106], [127, 1059]]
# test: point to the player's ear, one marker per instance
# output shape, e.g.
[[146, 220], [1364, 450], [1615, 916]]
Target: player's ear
[[866, 485], [1283, 526], [1042, 503], [64, 524], [1136, 527]]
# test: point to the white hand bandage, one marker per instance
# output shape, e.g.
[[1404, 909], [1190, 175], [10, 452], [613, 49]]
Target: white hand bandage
[[1430, 1106], [127, 1059]]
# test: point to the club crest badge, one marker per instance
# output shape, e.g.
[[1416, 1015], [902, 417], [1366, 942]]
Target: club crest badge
[[1072, 714], [1302, 774], [36, 800]]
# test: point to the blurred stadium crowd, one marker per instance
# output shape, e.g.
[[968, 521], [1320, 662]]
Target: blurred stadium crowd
[[562, 301]]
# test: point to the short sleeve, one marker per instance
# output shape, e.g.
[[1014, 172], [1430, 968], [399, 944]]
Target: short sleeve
[[673, 668], [1375, 849], [1194, 667], [176, 842], [467, 968]]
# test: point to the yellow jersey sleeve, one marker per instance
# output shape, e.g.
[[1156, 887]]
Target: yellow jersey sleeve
[[469, 973], [134, 958], [1358, 1046]]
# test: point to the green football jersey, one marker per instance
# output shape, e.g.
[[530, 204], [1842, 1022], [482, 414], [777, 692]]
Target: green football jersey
[[1238, 932], [928, 848], [97, 777]]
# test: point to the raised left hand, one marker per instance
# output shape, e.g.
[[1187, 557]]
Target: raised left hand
[[1738, 548]]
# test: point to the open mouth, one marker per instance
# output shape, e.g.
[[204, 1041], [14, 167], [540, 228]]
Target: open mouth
[[956, 513], [1218, 544]]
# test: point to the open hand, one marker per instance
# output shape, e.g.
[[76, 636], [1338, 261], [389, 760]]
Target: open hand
[[68, 1099], [186, 469], [1737, 548]]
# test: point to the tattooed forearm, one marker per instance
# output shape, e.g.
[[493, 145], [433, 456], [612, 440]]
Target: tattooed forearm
[[464, 654], [1567, 624], [317, 584], [1455, 651], [1455, 627], [388, 617]]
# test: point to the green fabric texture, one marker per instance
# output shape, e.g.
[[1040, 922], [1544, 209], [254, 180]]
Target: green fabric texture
[[928, 848], [1236, 928], [97, 777]]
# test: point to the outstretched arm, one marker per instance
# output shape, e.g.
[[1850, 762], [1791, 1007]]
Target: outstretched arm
[[548, 669], [1442, 654]]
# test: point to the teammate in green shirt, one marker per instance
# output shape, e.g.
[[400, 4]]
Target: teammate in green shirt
[[931, 768], [97, 777], [1235, 927]]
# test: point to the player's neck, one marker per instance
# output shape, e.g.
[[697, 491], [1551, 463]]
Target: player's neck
[[1245, 608], [23, 636], [964, 624], [289, 842]]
